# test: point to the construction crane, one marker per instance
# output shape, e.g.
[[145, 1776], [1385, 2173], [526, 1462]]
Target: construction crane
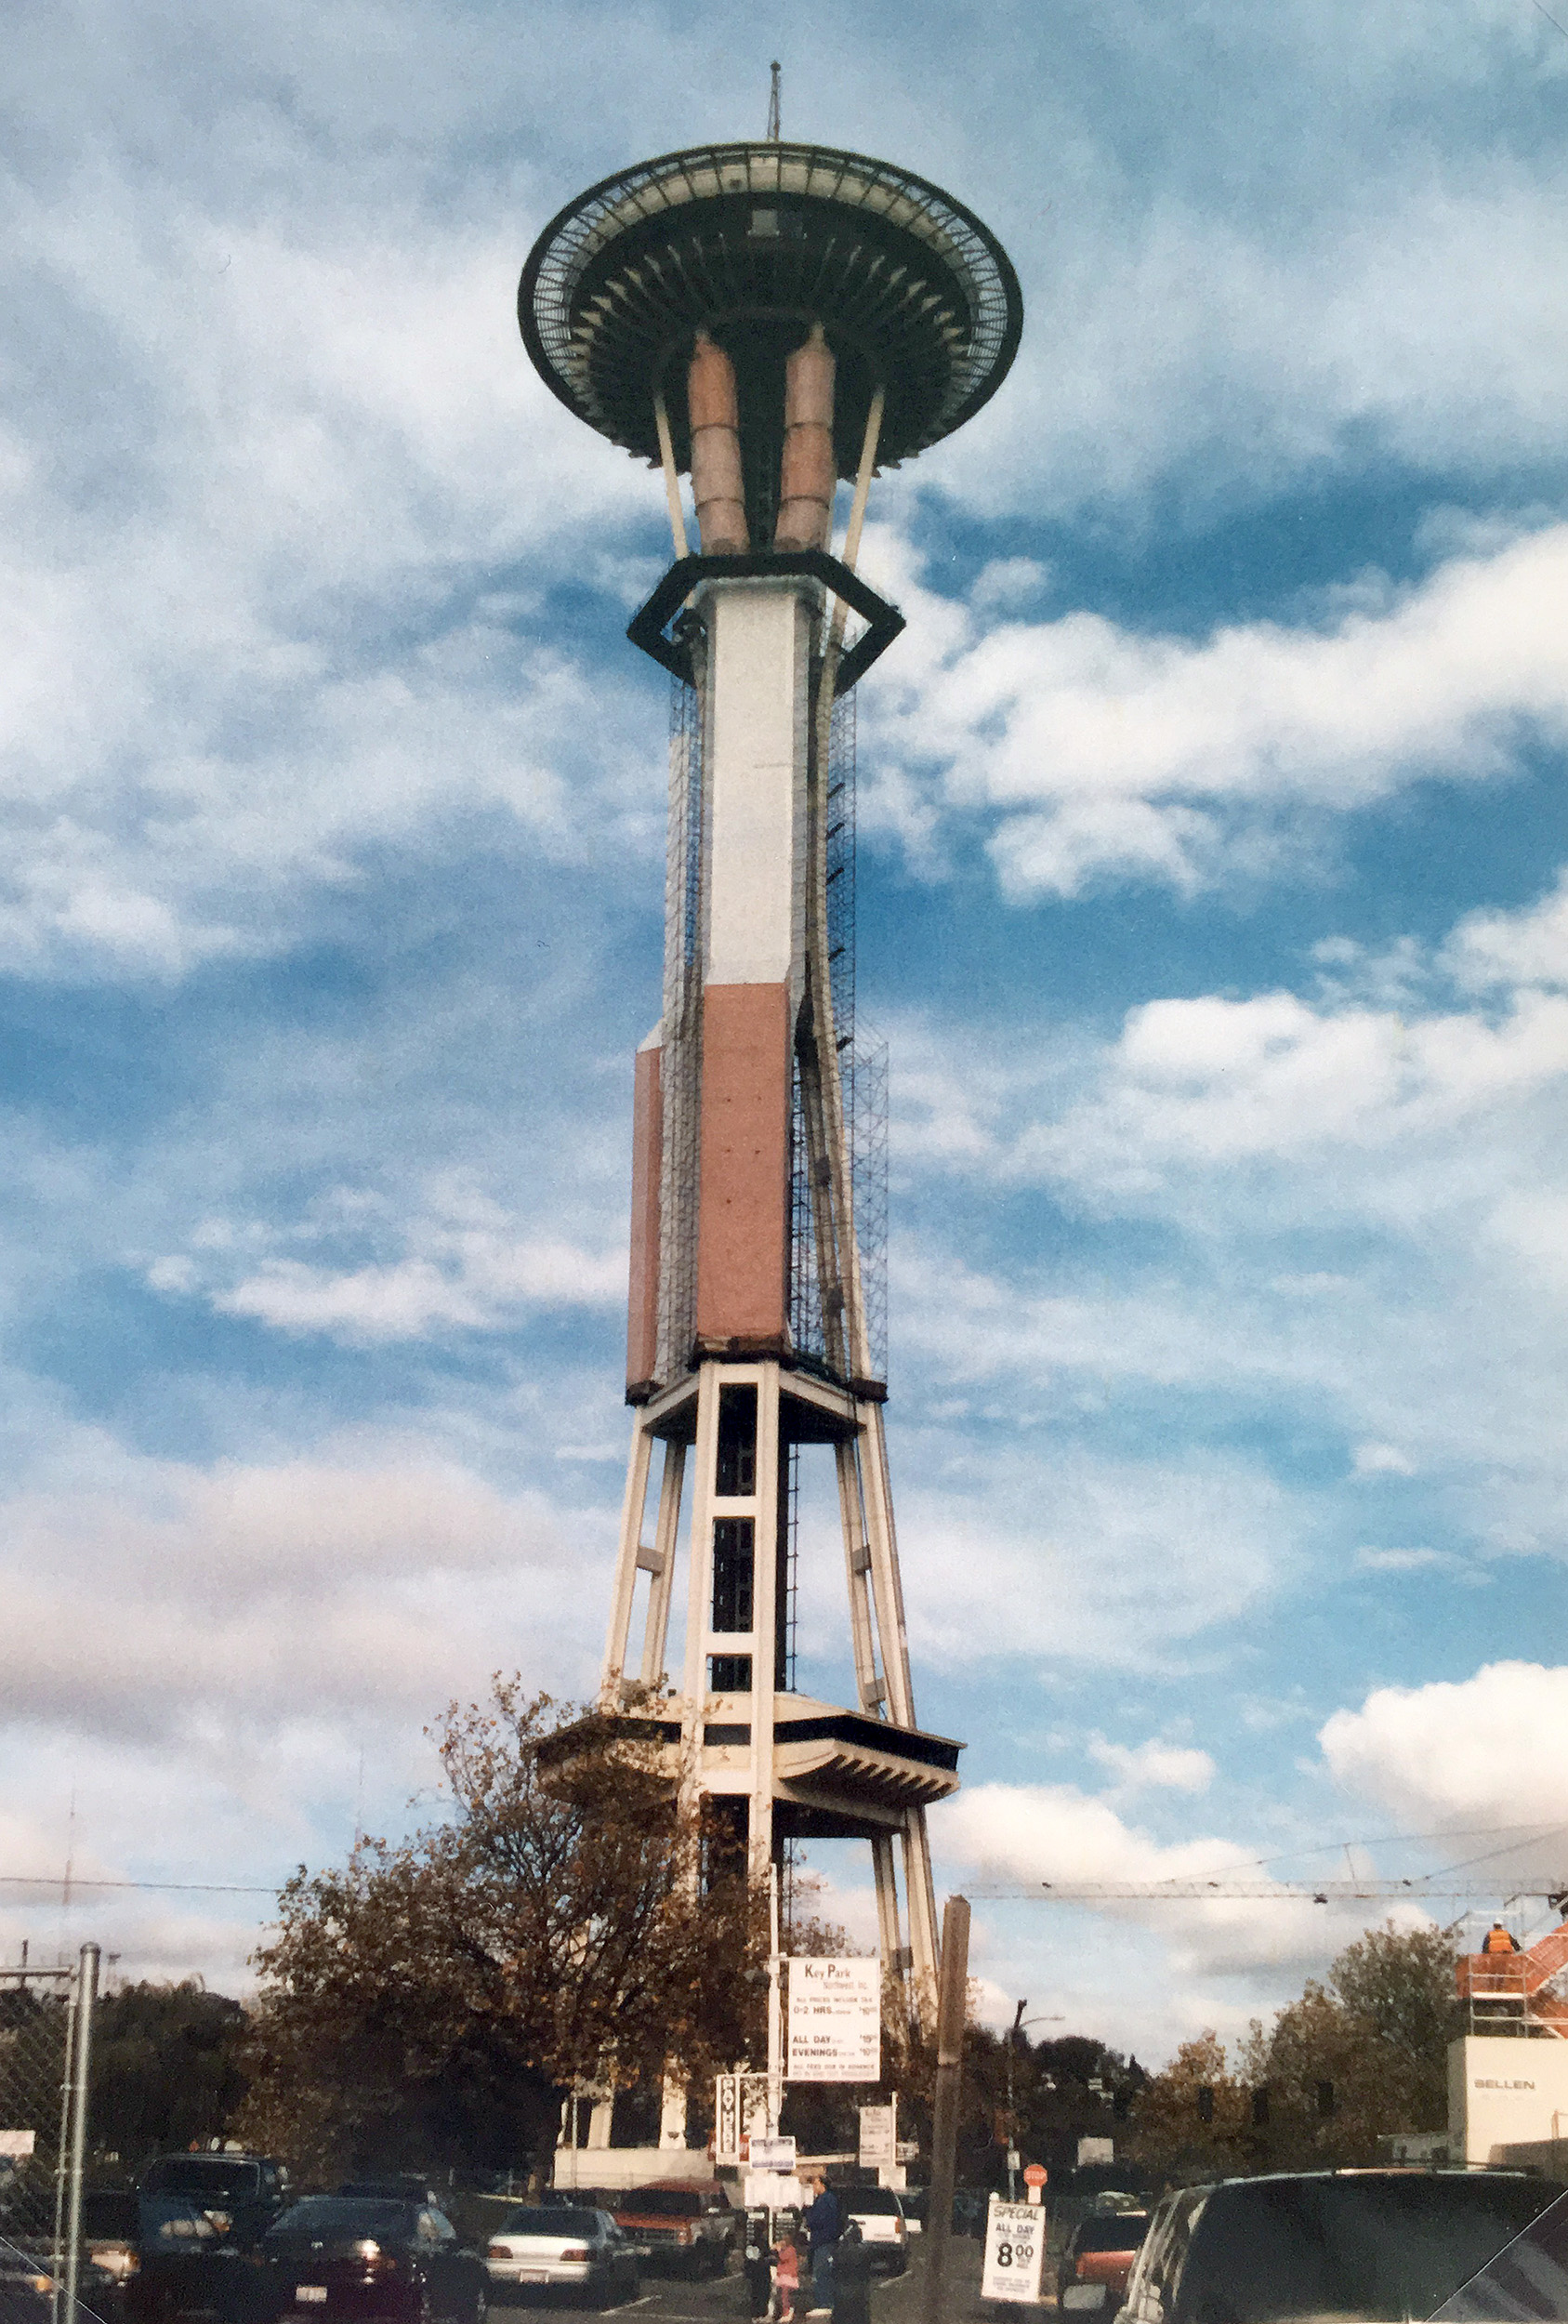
[[1506, 1990], [1437, 1886]]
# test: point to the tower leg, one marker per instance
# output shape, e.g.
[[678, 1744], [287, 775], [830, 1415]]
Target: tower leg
[[925, 1949], [890, 1937], [765, 1619], [628, 1557], [887, 1589], [656, 1636], [731, 1624], [672, 2113], [857, 1563]]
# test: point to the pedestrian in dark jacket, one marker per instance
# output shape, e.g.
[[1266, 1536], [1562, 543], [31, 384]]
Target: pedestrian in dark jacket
[[823, 2222], [851, 2278], [759, 2260]]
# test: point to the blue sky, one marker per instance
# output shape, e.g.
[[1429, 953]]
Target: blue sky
[[1213, 903]]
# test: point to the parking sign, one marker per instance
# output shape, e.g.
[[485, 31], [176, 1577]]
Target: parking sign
[[1015, 2245]]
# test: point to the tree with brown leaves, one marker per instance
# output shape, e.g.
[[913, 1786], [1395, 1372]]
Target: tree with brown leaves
[[1349, 2063], [427, 2003]]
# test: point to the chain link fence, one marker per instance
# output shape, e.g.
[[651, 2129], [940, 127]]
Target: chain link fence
[[46, 2047]]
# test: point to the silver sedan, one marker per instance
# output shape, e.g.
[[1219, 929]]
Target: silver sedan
[[562, 2245]]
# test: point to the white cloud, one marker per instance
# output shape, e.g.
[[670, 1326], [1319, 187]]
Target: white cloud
[[1122, 1565], [1153, 1766], [1527, 947], [1093, 749], [409, 1299], [467, 1267], [161, 1599], [1491, 1748], [1381, 1460], [1024, 1840]]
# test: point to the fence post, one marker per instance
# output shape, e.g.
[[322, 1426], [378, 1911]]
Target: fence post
[[62, 2155], [80, 2068]]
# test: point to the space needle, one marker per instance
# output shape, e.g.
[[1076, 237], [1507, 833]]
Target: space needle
[[769, 320]]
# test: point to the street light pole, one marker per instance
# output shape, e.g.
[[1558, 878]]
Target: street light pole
[[775, 2028], [1053, 2018]]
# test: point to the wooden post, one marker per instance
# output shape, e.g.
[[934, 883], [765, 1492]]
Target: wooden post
[[952, 1996]]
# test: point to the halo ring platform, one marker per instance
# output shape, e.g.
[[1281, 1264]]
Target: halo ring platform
[[753, 242]]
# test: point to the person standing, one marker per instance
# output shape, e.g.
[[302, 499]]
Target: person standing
[[759, 2260], [851, 2278], [788, 2275], [823, 2226]]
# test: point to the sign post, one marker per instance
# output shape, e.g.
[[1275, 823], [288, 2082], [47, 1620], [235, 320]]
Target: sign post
[[1015, 2246]]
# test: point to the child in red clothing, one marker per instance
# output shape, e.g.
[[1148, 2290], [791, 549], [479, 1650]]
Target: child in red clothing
[[787, 2277]]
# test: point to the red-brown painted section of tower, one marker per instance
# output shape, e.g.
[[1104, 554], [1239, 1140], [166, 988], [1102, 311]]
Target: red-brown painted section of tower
[[743, 1218], [647, 1169]]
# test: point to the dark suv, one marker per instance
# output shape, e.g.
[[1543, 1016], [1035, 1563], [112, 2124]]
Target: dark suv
[[1372, 2244], [240, 2194]]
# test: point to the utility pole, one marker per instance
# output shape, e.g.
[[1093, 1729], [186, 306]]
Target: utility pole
[[952, 1996]]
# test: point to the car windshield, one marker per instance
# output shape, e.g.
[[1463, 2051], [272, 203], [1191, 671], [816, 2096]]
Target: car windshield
[[530, 2221], [661, 2202], [1123, 2233], [211, 2179], [344, 2216], [860, 2201], [1375, 2247]]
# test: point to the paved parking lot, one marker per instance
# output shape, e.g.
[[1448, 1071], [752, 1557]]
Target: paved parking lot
[[670, 2299]]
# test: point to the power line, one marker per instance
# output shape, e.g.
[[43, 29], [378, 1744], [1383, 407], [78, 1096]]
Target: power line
[[205, 1888], [1552, 19], [1432, 1886]]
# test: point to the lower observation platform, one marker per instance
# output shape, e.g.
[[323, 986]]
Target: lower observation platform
[[837, 1775]]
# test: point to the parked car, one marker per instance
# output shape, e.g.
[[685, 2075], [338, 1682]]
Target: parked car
[[240, 2194], [1371, 2244], [353, 2256], [145, 2259], [169, 2259], [692, 2227], [563, 2245], [878, 2213], [1101, 2252], [27, 2286]]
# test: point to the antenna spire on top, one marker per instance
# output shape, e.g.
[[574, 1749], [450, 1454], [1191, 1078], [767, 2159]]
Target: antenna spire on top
[[773, 129]]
